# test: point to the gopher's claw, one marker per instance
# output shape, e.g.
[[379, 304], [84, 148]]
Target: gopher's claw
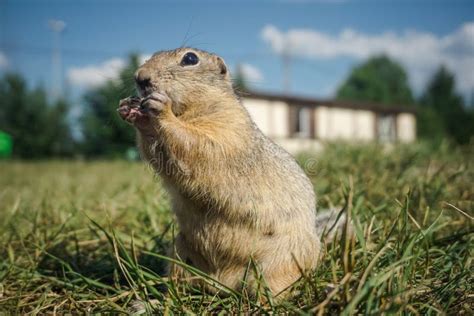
[[154, 103], [131, 102], [163, 98], [129, 109]]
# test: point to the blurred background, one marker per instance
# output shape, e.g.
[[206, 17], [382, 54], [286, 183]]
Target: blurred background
[[309, 72]]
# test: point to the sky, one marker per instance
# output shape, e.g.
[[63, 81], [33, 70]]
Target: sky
[[324, 39]]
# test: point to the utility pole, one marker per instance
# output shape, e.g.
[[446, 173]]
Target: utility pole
[[286, 63], [3, 32], [57, 26]]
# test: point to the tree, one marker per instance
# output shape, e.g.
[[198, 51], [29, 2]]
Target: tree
[[104, 132], [379, 79], [443, 109], [238, 81], [38, 129], [430, 125]]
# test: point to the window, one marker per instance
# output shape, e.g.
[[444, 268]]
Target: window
[[301, 121], [386, 131]]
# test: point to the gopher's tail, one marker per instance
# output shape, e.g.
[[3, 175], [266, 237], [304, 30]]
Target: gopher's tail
[[332, 223]]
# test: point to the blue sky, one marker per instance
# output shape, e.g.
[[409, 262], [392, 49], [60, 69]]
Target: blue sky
[[325, 38]]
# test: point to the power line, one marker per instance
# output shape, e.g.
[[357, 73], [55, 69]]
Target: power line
[[12, 47], [57, 26], [286, 62]]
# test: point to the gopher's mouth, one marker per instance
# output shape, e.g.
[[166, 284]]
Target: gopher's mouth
[[144, 92]]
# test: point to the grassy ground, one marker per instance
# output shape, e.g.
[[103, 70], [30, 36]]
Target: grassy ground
[[78, 236]]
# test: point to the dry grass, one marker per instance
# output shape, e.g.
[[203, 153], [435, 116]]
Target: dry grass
[[79, 236]]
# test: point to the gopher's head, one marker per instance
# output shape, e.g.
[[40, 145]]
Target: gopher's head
[[186, 75]]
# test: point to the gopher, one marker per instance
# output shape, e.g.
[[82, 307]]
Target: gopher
[[238, 197]]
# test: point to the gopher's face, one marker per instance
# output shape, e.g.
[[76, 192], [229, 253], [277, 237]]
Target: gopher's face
[[184, 74]]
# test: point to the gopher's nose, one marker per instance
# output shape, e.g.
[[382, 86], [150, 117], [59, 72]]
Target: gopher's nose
[[143, 79]]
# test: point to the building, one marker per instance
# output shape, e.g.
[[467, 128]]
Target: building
[[300, 123]]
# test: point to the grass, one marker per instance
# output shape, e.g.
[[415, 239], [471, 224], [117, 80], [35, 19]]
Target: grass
[[91, 237]]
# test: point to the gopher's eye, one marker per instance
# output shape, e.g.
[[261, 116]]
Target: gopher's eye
[[189, 59]]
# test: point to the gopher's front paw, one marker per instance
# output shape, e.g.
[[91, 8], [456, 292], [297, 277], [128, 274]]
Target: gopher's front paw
[[128, 109], [144, 113], [132, 102], [155, 104], [131, 111]]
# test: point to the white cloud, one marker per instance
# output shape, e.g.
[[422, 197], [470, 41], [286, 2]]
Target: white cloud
[[3, 60], [251, 73], [95, 75], [420, 52], [143, 58]]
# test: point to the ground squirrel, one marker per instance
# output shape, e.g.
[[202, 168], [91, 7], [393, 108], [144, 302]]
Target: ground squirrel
[[236, 194]]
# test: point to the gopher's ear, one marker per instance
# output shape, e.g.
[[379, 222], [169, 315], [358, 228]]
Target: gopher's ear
[[222, 66]]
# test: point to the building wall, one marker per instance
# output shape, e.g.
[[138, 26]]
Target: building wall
[[298, 145], [270, 116], [259, 111], [330, 124], [279, 114], [364, 125], [406, 127], [345, 124], [323, 126]]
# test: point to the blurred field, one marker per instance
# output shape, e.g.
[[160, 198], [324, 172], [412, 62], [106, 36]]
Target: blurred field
[[82, 236]]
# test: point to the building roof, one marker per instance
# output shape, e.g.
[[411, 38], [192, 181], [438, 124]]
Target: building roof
[[309, 101]]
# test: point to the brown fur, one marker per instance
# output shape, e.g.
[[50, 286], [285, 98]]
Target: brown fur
[[236, 195]]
